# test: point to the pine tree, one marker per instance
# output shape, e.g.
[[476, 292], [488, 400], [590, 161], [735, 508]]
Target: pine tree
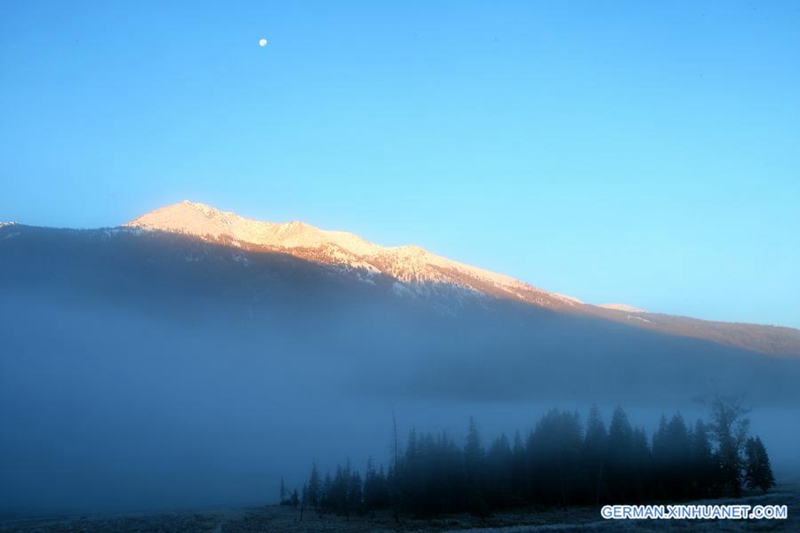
[[313, 488], [499, 466], [554, 449], [474, 464], [758, 471], [326, 495], [660, 455], [702, 462], [473, 450], [282, 500], [339, 491], [355, 494], [678, 448], [519, 486], [593, 455], [376, 495], [303, 500], [620, 447], [640, 469]]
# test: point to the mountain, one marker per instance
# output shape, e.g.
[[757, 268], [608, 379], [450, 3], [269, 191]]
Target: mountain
[[191, 356], [403, 319], [417, 272], [415, 269]]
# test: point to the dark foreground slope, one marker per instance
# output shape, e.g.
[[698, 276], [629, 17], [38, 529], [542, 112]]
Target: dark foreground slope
[[286, 519], [145, 369]]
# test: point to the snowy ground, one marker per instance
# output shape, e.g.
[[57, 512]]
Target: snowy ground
[[281, 519]]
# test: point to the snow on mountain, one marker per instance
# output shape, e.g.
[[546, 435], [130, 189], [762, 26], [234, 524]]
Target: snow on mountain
[[568, 298], [12, 233], [622, 307], [411, 265]]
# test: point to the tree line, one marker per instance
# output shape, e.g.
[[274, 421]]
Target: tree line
[[560, 462]]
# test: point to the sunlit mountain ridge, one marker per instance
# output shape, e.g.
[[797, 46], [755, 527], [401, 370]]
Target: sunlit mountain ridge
[[418, 272]]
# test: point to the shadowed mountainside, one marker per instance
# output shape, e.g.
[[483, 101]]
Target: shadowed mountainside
[[445, 339]]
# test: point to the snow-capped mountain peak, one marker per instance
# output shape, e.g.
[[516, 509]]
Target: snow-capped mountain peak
[[204, 221], [407, 264]]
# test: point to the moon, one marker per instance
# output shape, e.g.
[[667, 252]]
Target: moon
[[262, 42]]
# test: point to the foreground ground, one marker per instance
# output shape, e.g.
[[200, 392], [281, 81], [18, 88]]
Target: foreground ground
[[282, 519]]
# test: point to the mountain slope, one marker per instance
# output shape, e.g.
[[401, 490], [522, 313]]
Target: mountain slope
[[407, 264], [416, 271]]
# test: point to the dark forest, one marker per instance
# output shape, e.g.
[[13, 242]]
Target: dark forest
[[560, 462]]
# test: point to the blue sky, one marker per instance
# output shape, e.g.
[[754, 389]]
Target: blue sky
[[637, 152]]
